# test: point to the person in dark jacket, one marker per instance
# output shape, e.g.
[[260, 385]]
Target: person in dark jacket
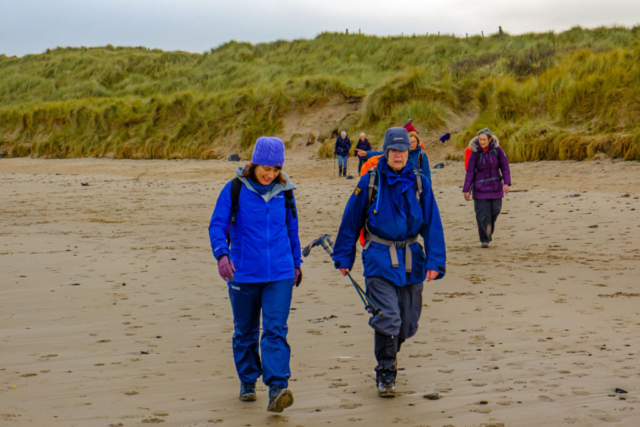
[[409, 126], [343, 145], [395, 264], [364, 145], [260, 268], [488, 178]]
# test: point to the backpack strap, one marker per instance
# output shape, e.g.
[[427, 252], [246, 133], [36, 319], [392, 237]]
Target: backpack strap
[[290, 203], [418, 184], [236, 186], [373, 184]]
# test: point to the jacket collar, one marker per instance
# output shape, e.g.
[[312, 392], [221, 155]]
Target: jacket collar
[[474, 145], [277, 189]]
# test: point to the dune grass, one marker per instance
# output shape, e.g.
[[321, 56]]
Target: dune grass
[[548, 96]]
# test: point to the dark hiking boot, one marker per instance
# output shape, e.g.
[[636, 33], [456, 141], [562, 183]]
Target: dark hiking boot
[[345, 172], [339, 170], [279, 399], [387, 389], [247, 392]]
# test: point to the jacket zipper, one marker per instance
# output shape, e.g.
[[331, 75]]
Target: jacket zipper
[[268, 248]]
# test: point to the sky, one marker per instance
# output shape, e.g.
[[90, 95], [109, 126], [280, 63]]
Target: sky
[[32, 26]]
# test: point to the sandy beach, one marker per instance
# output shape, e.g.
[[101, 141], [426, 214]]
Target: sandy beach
[[113, 313]]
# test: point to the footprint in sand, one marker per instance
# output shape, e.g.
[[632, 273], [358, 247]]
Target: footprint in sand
[[350, 405]]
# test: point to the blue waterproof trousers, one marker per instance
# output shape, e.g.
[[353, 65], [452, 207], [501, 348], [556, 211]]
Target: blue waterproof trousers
[[343, 161], [247, 301]]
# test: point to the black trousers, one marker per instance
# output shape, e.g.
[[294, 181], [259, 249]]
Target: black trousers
[[487, 211], [360, 163], [402, 306]]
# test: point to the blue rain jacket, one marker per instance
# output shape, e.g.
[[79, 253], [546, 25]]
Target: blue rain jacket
[[264, 239], [396, 223]]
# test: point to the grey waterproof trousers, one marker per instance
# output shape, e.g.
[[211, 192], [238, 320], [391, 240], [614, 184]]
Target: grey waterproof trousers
[[487, 212], [401, 306]]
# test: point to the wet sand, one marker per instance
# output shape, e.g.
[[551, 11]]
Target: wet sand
[[113, 313]]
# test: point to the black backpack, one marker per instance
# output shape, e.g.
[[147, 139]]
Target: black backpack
[[236, 186]]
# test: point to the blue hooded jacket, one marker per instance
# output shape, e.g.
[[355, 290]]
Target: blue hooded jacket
[[397, 220], [264, 239]]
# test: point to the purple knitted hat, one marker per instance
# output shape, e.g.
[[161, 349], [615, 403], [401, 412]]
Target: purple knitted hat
[[268, 151]]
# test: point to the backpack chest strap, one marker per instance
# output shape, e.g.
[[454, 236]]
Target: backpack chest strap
[[408, 258]]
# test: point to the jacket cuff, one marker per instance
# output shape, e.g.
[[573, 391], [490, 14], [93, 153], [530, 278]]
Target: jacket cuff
[[297, 263], [439, 268], [220, 254]]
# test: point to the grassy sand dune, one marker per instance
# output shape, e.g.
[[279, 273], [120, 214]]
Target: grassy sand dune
[[549, 96]]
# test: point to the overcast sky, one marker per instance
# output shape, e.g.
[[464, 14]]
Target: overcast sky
[[32, 26]]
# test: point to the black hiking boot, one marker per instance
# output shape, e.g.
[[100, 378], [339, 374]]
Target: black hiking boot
[[345, 172], [247, 392], [387, 388], [339, 170], [279, 399]]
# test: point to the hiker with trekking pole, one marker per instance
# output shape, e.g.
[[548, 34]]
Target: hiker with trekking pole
[[342, 147], [254, 237], [395, 205], [488, 179]]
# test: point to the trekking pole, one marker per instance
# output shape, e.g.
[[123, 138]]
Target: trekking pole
[[327, 245], [334, 163]]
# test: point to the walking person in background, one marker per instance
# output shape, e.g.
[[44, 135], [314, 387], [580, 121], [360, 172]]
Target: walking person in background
[[409, 126], [488, 179], [395, 205], [418, 157], [343, 145], [364, 145], [256, 214]]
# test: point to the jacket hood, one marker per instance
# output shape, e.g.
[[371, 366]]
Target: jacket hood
[[277, 189], [474, 144]]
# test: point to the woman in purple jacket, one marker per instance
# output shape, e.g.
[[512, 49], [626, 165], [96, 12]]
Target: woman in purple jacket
[[488, 179]]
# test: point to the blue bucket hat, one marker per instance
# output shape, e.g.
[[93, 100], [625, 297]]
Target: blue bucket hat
[[268, 151], [396, 138]]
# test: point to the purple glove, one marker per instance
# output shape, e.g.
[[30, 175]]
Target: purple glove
[[226, 268], [298, 279]]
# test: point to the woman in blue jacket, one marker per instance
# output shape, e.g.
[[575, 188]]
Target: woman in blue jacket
[[256, 213], [395, 263]]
